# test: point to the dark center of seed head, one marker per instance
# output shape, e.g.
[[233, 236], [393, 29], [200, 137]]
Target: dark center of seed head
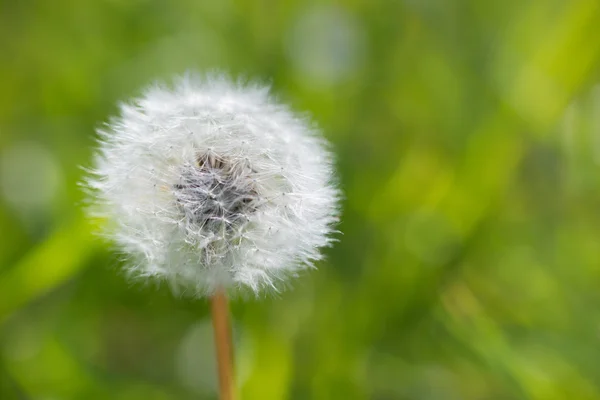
[[215, 194]]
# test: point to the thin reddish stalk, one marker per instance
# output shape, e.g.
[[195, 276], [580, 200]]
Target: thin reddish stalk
[[222, 333]]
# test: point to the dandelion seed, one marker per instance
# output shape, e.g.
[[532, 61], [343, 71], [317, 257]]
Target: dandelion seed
[[213, 184]]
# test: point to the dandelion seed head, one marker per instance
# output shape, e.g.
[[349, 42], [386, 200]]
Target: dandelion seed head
[[212, 183]]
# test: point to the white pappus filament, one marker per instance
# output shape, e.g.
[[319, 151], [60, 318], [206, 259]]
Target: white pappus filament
[[212, 183]]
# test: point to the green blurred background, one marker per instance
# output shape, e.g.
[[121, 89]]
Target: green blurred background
[[468, 143]]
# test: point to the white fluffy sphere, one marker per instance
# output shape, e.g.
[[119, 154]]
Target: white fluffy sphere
[[213, 184]]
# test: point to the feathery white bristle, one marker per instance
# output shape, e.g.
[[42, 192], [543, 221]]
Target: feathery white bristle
[[214, 184]]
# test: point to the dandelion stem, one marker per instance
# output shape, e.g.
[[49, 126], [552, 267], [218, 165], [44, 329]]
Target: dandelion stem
[[222, 333]]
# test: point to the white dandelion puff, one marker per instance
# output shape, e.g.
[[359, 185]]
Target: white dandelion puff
[[213, 184]]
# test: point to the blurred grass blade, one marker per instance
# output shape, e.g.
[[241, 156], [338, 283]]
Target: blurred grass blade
[[61, 256]]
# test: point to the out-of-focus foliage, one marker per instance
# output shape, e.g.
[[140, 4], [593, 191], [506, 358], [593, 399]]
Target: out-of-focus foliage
[[468, 137]]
